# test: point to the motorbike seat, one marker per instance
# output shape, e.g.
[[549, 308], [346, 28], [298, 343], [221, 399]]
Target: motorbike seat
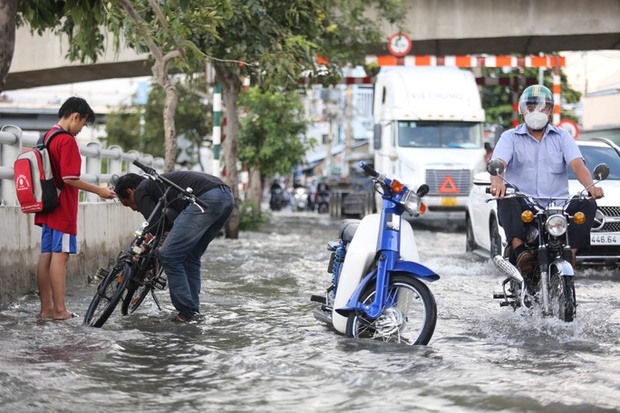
[[348, 228]]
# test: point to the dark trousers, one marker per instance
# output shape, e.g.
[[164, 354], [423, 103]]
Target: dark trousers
[[509, 214]]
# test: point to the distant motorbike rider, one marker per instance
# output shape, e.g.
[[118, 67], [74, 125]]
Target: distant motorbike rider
[[277, 199], [535, 155]]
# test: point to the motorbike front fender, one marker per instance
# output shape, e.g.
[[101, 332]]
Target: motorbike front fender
[[416, 270], [563, 267]]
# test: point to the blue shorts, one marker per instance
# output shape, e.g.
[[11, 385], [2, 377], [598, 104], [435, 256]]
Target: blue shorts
[[56, 241]]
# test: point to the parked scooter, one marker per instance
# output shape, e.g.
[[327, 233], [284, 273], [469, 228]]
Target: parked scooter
[[550, 286], [377, 289]]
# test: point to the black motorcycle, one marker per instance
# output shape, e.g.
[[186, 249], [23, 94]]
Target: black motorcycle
[[550, 285], [277, 200]]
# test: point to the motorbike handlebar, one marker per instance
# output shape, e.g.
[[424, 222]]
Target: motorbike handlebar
[[368, 169], [509, 190]]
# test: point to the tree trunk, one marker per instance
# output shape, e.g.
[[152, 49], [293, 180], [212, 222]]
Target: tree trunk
[[255, 188], [160, 74], [170, 107], [8, 12], [230, 94]]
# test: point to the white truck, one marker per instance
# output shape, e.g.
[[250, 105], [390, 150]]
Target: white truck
[[429, 129]]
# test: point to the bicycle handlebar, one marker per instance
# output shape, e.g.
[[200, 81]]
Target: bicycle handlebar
[[145, 168], [187, 194]]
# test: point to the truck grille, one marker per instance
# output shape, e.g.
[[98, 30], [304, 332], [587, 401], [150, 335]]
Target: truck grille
[[448, 182]]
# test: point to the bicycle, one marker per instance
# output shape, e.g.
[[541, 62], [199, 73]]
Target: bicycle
[[136, 271]]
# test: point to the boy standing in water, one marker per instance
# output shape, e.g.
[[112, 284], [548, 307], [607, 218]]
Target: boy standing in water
[[59, 226]]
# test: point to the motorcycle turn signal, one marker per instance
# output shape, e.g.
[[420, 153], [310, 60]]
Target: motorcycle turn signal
[[579, 218], [527, 216]]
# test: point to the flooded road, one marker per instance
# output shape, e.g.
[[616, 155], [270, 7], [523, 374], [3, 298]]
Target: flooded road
[[257, 347]]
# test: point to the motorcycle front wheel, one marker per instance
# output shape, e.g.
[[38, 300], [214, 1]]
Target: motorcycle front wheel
[[109, 293], [562, 297], [409, 316]]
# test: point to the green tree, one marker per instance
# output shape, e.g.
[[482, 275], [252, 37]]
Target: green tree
[[271, 136], [83, 22], [141, 127], [277, 40], [163, 29], [166, 31]]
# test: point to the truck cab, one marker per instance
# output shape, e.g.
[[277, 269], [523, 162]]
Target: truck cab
[[429, 129]]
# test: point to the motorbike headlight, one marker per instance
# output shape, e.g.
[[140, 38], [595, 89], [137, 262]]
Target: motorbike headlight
[[556, 225], [411, 201]]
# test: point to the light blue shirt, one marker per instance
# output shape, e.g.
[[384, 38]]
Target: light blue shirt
[[537, 168]]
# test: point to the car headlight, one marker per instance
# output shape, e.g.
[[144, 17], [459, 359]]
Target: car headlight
[[411, 201], [556, 225]]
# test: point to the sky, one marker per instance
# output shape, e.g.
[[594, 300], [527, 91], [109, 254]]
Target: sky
[[587, 72]]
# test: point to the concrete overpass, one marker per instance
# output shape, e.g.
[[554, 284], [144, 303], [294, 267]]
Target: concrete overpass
[[436, 27]]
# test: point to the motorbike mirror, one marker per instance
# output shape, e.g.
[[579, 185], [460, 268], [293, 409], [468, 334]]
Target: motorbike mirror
[[495, 167], [422, 190], [601, 171]]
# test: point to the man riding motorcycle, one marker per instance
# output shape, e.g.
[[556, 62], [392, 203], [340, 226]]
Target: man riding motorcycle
[[536, 155]]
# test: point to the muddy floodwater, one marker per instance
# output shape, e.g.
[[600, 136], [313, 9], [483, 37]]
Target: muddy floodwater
[[258, 348]]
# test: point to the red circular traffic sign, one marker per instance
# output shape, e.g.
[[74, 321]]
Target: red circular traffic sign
[[570, 126], [399, 44]]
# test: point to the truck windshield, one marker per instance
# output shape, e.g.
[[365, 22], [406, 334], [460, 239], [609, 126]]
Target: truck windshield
[[433, 134]]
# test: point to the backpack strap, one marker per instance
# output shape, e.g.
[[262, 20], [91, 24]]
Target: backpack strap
[[42, 143]]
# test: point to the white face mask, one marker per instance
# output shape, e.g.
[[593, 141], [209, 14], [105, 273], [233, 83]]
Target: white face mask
[[536, 120]]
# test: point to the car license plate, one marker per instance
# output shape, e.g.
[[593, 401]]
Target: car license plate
[[448, 201], [605, 239]]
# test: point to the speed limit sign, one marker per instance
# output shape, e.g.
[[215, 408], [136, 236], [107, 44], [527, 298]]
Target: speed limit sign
[[399, 44], [570, 126]]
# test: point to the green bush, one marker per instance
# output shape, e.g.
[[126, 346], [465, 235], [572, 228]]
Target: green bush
[[252, 217]]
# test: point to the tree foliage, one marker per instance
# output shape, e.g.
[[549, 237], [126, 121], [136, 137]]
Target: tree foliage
[[141, 127], [272, 132], [278, 40]]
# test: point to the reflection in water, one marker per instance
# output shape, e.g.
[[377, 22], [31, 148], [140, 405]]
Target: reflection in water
[[257, 347]]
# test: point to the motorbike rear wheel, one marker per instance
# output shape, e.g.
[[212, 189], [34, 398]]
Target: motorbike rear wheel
[[409, 317], [562, 297], [109, 293]]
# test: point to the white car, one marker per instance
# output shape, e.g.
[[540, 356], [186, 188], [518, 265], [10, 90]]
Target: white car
[[486, 237]]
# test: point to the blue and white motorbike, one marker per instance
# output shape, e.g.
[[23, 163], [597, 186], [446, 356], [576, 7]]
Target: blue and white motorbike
[[377, 289]]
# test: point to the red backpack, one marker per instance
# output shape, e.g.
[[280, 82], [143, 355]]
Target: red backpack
[[34, 181]]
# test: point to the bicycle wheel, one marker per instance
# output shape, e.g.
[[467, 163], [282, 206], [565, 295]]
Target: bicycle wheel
[[140, 286], [409, 316], [562, 297], [109, 293], [134, 298]]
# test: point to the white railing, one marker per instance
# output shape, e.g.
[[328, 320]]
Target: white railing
[[98, 164]]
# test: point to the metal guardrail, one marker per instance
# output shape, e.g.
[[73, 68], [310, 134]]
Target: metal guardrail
[[13, 142]]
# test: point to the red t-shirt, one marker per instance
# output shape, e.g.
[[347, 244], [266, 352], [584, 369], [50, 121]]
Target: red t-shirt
[[66, 163]]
